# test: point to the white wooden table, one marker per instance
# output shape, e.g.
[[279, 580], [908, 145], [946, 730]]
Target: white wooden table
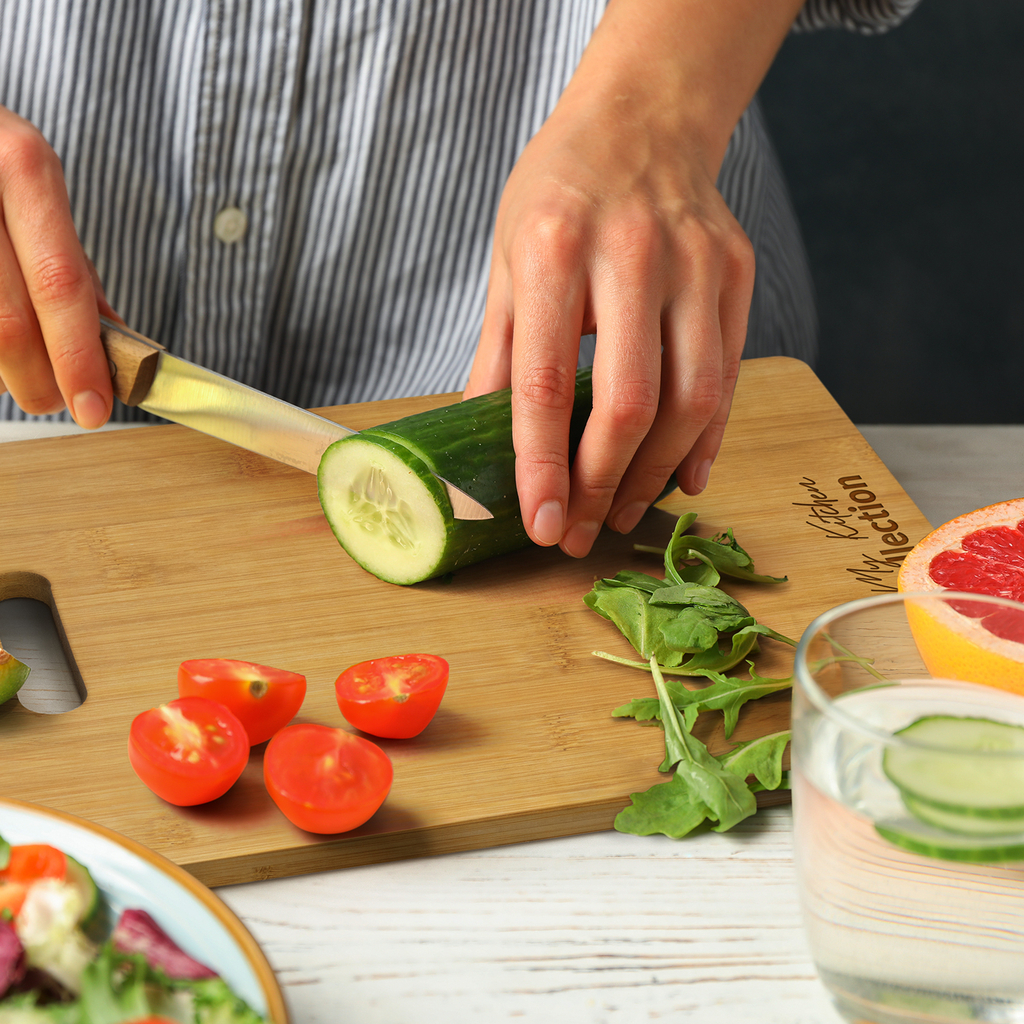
[[596, 929]]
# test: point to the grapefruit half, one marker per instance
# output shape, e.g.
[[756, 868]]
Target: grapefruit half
[[980, 552]]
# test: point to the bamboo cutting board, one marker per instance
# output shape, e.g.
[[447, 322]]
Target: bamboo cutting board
[[157, 545]]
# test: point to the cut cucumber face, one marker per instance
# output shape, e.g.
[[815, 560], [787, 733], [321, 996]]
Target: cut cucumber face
[[975, 766], [393, 516], [386, 508]]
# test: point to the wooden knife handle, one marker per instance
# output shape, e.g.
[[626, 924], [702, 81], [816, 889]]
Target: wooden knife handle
[[133, 361]]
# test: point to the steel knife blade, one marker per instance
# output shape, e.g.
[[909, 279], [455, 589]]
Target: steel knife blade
[[145, 374]]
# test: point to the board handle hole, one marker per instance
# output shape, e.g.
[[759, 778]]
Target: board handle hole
[[30, 630]]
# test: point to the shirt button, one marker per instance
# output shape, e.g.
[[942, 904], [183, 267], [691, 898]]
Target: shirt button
[[230, 224]]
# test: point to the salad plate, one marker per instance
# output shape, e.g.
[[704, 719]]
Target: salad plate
[[131, 876]]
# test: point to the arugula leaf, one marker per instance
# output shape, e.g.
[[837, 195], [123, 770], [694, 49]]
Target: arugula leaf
[[639, 622], [685, 620], [725, 613], [729, 696], [670, 808], [675, 808], [5, 853], [684, 625], [689, 631], [760, 757], [640, 580], [725, 694], [671, 631], [722, 553], [743, 642], [725, 794]]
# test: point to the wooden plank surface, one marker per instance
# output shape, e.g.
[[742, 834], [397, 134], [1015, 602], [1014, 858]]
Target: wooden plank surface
[[159, 545]]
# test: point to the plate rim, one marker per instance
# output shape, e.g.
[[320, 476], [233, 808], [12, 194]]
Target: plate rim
[[277, 1011]]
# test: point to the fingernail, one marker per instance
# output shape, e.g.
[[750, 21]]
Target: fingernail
[[580, 538], [701, 473], [629, 516], [89, 410], [548, 523]]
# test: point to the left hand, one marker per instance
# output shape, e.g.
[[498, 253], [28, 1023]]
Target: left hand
[[610, 221]]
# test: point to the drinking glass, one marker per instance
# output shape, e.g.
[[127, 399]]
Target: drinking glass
[[908, 804]]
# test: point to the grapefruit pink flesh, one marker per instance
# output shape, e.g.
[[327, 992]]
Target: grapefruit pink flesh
[[991, 562], [980, 552]]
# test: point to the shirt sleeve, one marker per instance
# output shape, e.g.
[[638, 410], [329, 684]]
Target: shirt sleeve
[[865, 16]]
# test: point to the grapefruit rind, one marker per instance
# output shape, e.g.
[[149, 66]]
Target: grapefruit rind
[[954, 646]]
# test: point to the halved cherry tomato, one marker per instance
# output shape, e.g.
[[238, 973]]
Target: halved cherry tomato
[[263, 699], [325, 780], [392, 697], [188, 751]]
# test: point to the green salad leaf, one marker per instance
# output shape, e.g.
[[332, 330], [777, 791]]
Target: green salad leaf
[[762, 758], [686, 626], [722, 552], [118, 988], [725, 694]]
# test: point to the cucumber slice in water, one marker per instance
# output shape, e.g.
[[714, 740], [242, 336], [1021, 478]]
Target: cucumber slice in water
[[962, 824], [78, 876], [393, 516], [966, 800], [957, 767], [948, 846]]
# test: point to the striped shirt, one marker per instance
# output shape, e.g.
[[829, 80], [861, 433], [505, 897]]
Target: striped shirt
[[300, 194]]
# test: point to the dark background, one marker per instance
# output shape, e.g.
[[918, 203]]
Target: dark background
[[905, 158]]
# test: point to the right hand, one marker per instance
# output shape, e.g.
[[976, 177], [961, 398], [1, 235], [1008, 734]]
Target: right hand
[[50, 294]]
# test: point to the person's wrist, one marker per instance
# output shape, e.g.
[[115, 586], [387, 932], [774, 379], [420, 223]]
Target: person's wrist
[[630, 90], [683, 69]]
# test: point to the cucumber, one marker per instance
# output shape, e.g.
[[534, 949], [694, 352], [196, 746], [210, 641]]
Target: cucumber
[[964, 786], [78, 876], [390, 512], [956, 766], [918, 838], [963, 824]]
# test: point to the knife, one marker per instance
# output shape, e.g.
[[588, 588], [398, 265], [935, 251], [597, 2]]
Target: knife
[[146, 375]]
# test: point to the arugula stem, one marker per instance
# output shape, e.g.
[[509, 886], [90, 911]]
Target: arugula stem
[[649, 549], [780, 637], [674, 739], [646, 666], [848, 655]]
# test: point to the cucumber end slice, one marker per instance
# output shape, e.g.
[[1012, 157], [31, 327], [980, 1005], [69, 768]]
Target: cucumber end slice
[[386, 508]]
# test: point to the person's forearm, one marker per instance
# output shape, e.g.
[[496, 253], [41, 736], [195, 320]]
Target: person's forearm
[[690, 66]]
